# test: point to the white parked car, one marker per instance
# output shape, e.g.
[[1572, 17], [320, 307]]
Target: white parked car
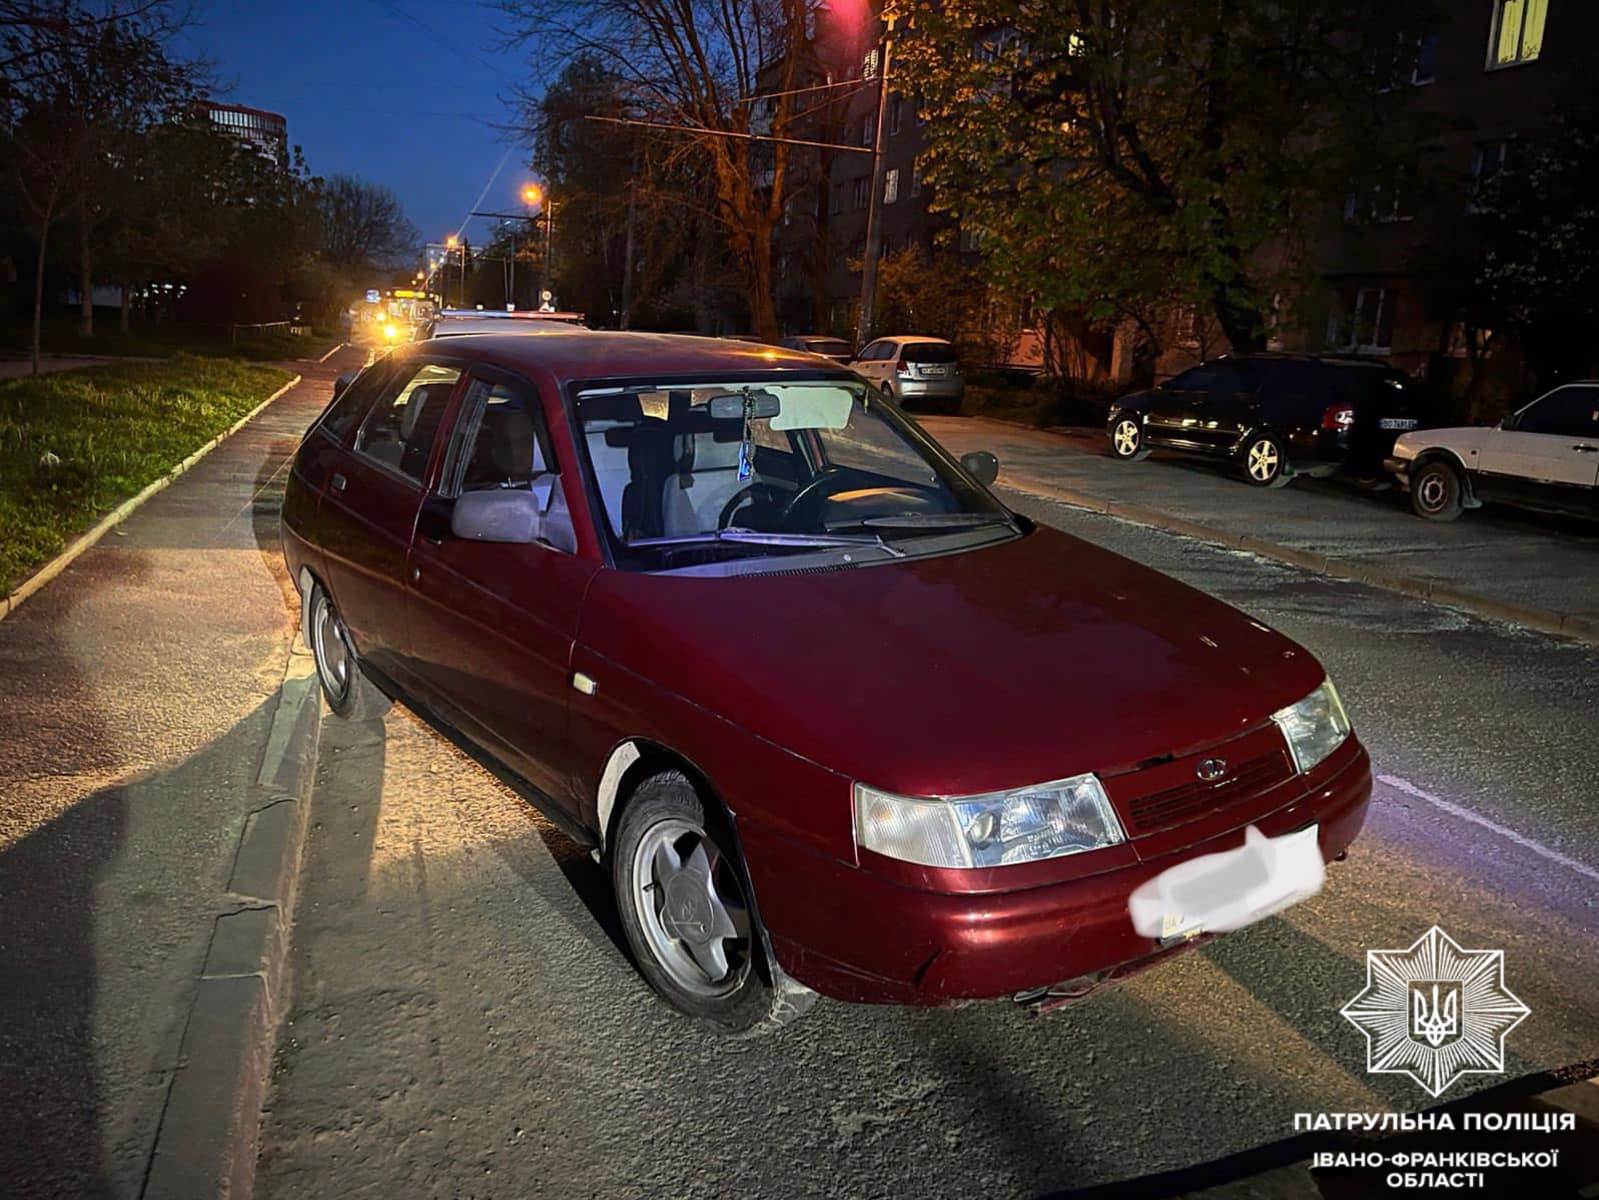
[[1545, 456], [913, 371]]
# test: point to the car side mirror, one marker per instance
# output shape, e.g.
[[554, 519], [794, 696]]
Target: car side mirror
[[343, 382], [1509, 421], [498, 515], [981, 466]]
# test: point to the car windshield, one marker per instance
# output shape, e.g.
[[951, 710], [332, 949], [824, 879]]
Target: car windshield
[[693, 473]]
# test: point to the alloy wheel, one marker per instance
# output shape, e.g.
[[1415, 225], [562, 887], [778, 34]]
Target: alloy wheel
[[1264, 461], [691, 906], [1125, 438]]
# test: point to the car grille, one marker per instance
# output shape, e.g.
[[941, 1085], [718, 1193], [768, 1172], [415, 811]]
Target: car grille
[[1174, 805]]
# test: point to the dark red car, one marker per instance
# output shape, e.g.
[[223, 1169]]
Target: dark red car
[[833, 717]]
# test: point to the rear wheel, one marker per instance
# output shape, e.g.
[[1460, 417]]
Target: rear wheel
[[349, 693], [683, 899], [1127, 440], [1436, 491], [1265, 461]]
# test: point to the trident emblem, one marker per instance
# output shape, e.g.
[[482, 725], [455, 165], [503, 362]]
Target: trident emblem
[[1439, 1023]]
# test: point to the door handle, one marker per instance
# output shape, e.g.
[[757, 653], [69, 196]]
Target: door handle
[[1585, 448], [339, 482]]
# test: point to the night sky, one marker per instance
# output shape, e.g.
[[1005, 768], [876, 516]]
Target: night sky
[[394, 91]]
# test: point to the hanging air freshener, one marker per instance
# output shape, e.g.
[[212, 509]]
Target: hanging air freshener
[[746, 448]]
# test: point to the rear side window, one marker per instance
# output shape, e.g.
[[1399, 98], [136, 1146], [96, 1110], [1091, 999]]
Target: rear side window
[[928, 352], [346, 411], [400, 429]]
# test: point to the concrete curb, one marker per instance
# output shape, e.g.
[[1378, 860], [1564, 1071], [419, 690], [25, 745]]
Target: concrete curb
[[207, 1141], [121, 512], [1567, 625]]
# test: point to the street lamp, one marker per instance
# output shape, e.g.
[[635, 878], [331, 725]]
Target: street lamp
[[454, 243], [536, 197], [874, 207]]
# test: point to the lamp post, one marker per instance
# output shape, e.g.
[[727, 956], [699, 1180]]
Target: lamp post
[[454, 243]]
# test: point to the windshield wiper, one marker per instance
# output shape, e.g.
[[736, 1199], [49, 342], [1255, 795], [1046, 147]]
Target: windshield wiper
[[754, 537], [928, 520]]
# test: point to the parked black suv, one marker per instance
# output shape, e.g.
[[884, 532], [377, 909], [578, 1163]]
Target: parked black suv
[[1275, 415]]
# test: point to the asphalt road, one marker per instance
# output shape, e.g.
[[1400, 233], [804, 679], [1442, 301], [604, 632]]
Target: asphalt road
[[466, 1024]]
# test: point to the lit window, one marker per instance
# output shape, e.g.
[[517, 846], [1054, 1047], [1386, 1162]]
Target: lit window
[[891, 186], [1517, 34]]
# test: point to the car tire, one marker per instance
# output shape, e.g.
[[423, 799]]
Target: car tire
[[1437, 491], [349, 693], [677, 874], [1127, 440], [1265, 461]]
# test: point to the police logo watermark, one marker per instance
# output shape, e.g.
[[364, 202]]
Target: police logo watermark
[[1435, 1012]]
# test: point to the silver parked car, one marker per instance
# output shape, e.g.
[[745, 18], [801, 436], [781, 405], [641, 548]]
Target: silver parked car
[[914, 371]]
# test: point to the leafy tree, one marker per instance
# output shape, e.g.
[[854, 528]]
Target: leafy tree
[[91, 89], [1520, 266], [693, 65], [1114, 154]]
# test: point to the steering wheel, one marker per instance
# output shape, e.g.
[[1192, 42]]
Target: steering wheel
[[757, 492], [829, 478]]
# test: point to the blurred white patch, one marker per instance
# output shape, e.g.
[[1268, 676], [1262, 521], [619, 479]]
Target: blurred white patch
[[1215, 893]]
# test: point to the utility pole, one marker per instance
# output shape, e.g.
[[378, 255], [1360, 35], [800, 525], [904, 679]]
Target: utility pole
[[627, 250], [874, 204]]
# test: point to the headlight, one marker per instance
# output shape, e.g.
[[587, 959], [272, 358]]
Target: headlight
[[1024, 825], [1314, 727], [390, 332]]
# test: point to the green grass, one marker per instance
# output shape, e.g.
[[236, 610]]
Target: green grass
[[115, 429], [160, 339]]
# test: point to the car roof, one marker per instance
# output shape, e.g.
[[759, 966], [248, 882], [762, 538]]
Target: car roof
[[909, 338], [814, 337], [569, 353], [460, 326]]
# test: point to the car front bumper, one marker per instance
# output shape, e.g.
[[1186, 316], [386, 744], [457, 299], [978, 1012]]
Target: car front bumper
[[855, 935]]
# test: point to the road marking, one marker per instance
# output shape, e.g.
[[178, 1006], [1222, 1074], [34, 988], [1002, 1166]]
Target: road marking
[[1465, 814], [331, 353]]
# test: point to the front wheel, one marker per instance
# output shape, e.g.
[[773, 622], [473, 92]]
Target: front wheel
[[684, 904], [1265, 461], [1127, 440], [1436, 490]]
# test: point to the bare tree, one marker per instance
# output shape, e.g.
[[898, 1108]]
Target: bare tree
[[363, 225], [693, 65]]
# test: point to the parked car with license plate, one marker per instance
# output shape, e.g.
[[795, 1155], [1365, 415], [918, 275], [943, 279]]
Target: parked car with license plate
[[917, 372], [834, 719], [1545, 456], [1273, 415]]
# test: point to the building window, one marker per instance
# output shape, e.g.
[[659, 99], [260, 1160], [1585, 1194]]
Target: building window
[[868, 129], [838, 198], [870, 62], [891, 186], [1387, 200], [1368, 327], [1185, 330], [895, 110], [1488, 159], [862, 193], [1517, 33], [971, 239], [1425, 69], [916, 179]]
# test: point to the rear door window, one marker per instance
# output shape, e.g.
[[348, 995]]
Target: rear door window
[[399, 431], [500, 440]]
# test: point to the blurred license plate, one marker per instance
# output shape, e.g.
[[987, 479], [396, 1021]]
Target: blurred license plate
[[1398, 423], [935, 370]]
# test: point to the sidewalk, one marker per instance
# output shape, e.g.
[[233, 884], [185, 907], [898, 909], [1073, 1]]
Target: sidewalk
[[1494, 562], [139, 689]]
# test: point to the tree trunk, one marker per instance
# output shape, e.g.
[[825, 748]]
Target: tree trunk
[[1242, 323], [38, 289], [85, 281], [127, 303]]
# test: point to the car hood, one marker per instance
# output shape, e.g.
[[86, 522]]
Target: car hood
[[1462, 439], [1036, 659]]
